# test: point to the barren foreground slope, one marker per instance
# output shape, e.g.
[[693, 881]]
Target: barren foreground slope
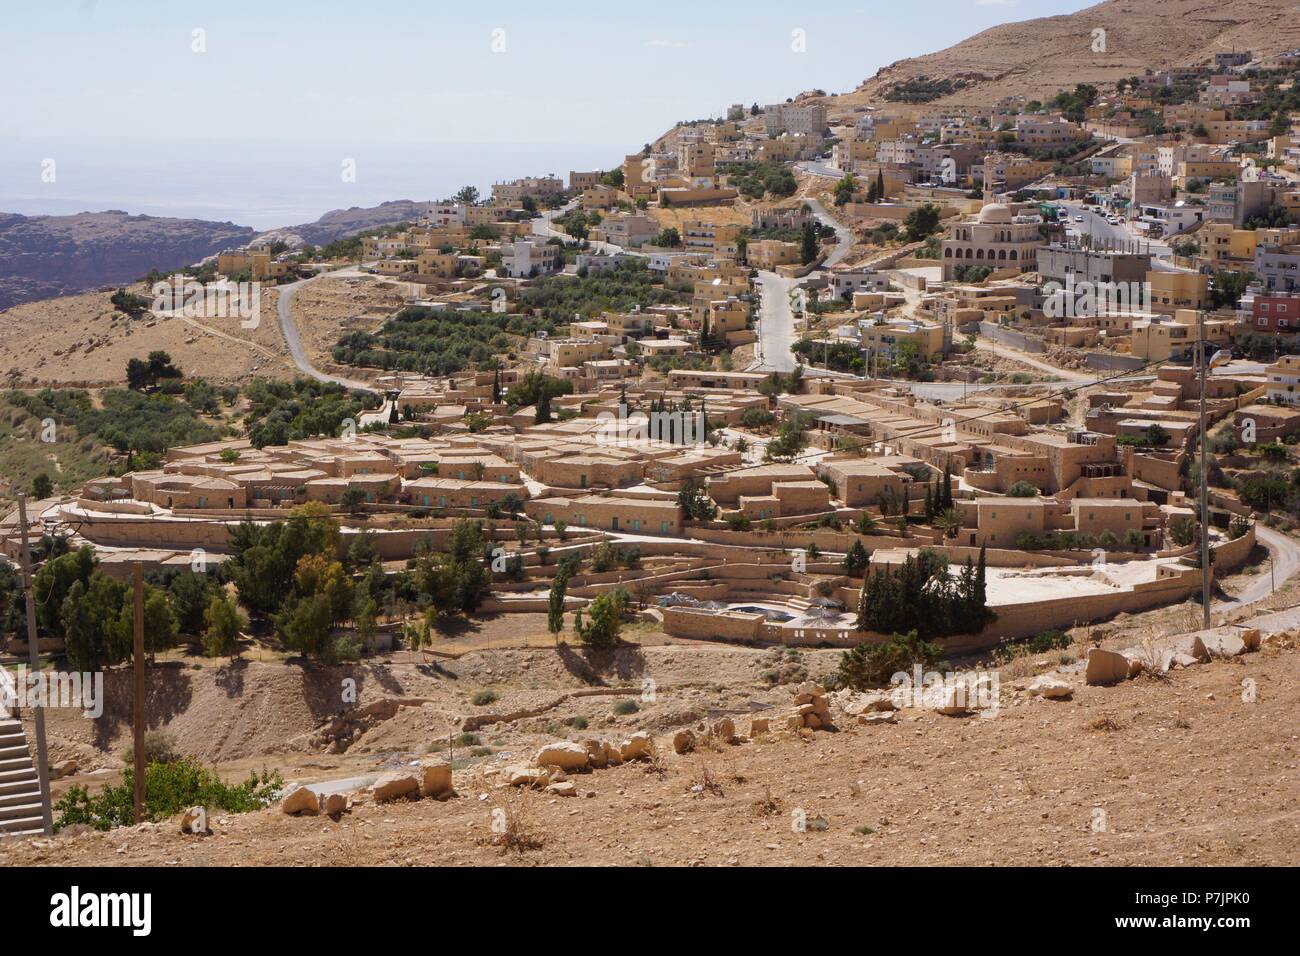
[[1171, 771]]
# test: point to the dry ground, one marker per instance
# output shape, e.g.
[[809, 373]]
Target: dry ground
[[82, 340], [329, 308], [1183, 770]]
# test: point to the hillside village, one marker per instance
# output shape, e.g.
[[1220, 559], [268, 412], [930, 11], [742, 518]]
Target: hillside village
[[672, 466]]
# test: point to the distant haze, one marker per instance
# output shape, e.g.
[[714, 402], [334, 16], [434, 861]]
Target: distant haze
[[266, 188], [244, 110]]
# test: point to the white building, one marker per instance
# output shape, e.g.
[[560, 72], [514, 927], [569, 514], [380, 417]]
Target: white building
[[527, 258]]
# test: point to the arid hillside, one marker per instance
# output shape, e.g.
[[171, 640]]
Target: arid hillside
[[1038, 58], [46, 256]]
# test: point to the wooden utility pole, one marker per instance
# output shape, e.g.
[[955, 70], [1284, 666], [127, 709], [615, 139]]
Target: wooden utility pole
[[137, 709], [34, 659]]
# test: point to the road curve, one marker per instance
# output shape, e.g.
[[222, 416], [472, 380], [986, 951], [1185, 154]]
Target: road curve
[[291, 338]]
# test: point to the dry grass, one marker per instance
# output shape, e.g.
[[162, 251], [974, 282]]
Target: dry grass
[[513, 826]]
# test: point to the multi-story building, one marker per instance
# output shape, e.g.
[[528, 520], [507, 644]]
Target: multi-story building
[[1273, 313], [1173, 291], [1165, 338], [996, 239], [528, 258], [794, 118], [1283, 377], [529, 187], [1278, 267]]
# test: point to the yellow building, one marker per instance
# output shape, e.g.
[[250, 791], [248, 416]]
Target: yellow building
[[1172, 291], [891, 337], [1161, 338]]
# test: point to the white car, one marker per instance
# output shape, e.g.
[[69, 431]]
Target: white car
[[1078, 219], [1113, 220]]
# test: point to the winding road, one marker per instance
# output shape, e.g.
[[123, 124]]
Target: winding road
[[289, 329]]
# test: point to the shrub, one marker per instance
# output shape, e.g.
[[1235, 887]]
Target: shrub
[[169, 788], [872, 665], [483, 698], [159, 747], [624, 707]]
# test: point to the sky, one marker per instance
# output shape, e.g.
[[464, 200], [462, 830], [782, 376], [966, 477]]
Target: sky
[[149, 101]]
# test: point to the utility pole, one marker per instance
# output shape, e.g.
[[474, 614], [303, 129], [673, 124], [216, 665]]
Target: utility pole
[[1205, 511], [137, 709], [34, 659]]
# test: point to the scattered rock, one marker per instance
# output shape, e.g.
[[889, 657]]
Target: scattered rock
[[437, 779], [683, 742], [391, 786], [333, 804], [640, 746], [878, 717], [565, 789], [758, 725], [64, 768], [724, 729], [1051, 687], [1106, 667], [300, 800], [520, 776], [563, 754]]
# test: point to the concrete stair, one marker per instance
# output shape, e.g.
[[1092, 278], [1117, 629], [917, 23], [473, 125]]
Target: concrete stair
[[20, 789]]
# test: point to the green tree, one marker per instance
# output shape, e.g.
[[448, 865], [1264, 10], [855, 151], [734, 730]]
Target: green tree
[[42, 487], [223, 624], [605, 620], [872, 665], [921, 222], [555, 603]]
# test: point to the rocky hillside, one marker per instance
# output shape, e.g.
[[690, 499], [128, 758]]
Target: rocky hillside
[[46, 256], [1038, 58], [339, 223]]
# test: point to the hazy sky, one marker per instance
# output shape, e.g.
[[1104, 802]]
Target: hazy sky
[[276, 77]]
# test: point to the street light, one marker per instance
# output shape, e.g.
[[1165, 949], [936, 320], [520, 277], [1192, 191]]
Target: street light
[[1221, 357]]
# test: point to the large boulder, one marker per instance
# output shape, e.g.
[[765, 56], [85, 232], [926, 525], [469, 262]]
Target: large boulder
[[1225, 645], [333, 804], [518, 775], [1106, 667], [393, 786], [640, 746], [300, 800], [597, 752], [437, 779], [683, 741], [563, 754], [758, 725], [1051, 687], [724, 729]]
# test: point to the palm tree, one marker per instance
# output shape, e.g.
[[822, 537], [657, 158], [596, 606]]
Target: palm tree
[[949, 523]]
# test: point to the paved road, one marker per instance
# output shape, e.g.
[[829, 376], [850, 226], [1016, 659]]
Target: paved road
[[843, 235], [290, 331], [775, 324], [1103, 232], [1285, 562]]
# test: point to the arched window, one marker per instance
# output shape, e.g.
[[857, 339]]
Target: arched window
[[1002, 254], [947, 253], [1013, 255]]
